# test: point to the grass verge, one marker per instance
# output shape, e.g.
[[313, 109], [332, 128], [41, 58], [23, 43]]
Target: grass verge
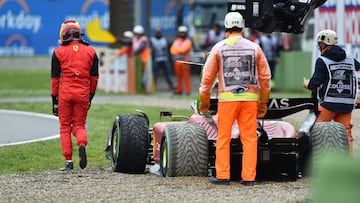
[[24, 82], [46, 155]]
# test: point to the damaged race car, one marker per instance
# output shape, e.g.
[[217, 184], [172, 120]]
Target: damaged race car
[[187, 147]]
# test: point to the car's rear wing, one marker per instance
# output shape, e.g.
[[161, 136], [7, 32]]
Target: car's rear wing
[[280, 107]]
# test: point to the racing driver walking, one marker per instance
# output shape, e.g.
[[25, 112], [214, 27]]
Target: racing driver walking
[[74, 77]]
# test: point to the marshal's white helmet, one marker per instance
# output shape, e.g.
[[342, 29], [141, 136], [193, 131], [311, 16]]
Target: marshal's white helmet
[[329, 37], [182, 28], [138, 29], [128, 34], [234, 19]]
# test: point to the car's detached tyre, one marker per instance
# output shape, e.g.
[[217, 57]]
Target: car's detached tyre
[[328, 137], [129, 144], [184, 151]]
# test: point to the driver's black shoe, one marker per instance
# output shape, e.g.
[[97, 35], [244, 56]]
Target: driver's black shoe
[[217, 181], [82, 157], [69, 165]]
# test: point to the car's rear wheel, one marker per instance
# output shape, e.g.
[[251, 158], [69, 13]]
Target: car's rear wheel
[[326, 138], [184, 151], [129, 144]]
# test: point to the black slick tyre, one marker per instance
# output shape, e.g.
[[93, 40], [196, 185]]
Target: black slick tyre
[[129, 144]]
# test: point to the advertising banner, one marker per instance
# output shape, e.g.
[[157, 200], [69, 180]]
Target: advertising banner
[[164, 16], [29, 28], [113, 71]]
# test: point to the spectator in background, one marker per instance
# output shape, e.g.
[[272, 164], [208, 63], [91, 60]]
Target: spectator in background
[[216, 34], [286, 41], [127, 48], [254, 35], [141, 47], [160, 53], [269, 44], [180, 51]]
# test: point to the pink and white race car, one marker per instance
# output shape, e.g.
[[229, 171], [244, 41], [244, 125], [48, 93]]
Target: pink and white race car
[[187, 147]]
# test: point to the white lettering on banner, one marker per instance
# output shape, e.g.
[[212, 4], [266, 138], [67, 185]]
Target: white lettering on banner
[[333, 3], [167, 22], [83, 20], [163, 22], [17, 51], [351, 26], [20, 21], [327, 19]]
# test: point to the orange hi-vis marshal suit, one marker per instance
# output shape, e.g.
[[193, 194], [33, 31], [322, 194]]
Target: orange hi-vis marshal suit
[[244, 83], [180, 50], [125, 50], [141, 47]]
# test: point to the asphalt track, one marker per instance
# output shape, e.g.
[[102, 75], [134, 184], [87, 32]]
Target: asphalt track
[[19, 127]]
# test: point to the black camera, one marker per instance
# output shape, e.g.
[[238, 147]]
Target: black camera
[[275, 15]]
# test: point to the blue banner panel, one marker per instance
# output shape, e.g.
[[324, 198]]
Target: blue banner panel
[[30, 28], [163, 16]]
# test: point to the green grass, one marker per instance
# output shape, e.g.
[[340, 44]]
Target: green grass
[[46, 155], [24, 82], [36, 82], [27, 83]]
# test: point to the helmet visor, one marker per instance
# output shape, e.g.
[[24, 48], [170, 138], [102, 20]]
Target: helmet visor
[[72, 35]]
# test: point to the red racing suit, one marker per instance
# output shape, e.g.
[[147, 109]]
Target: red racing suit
[[74, 77], [244, 83]]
